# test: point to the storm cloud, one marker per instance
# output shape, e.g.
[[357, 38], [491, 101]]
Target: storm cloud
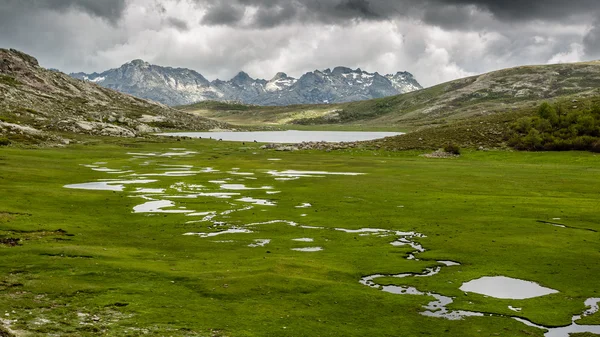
[[437, 40], [340, 11]]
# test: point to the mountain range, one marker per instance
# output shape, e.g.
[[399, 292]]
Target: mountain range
[[180, 86]]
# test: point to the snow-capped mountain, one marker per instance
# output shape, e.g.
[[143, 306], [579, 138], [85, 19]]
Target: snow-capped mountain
[[179, 86]]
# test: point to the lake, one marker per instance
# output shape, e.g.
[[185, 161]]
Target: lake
[[288, 137]]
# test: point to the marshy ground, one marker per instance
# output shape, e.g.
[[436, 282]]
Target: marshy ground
[[206, 238]]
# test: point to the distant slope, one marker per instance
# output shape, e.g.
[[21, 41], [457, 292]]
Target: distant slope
[[177, 86], [493, 93], [36, 102]]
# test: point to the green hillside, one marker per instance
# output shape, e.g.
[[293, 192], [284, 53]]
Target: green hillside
[[498, 92]]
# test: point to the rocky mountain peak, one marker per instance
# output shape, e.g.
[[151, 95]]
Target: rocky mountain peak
[[337, 71], [179, 86], [138, 63], [279, 76], [13, 61]]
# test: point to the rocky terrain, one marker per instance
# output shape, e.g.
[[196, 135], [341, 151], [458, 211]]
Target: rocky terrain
[[180, 86], [38, 105]]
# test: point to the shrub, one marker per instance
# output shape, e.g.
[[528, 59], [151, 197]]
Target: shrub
[[533, 140], [595, 147], [4, 141], [546, 111], [558, 128], [452, 148]]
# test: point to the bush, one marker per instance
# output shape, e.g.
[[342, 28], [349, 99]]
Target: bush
[[4, 141], [558, 128], [595, 147], [452, 148]]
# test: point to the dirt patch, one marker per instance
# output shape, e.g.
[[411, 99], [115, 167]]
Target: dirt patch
[[14, 238], [12, 242]]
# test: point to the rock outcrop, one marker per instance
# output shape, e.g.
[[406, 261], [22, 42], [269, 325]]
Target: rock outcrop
[[37, 103]]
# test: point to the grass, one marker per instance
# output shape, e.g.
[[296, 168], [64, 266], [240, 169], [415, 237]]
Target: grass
[[9, 80], [86, 265]]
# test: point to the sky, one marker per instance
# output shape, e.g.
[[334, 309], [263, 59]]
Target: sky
[[436, 40]]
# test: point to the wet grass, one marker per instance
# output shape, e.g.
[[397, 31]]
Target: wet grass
[[86, 265]]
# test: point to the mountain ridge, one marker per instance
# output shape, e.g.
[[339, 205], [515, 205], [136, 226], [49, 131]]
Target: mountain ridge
[[181, 86]]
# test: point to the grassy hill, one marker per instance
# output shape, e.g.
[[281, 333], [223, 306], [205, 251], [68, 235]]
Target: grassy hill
[[498, 92]]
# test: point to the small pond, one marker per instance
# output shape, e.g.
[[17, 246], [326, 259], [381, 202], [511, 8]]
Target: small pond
[[506, 287], [287, 137]]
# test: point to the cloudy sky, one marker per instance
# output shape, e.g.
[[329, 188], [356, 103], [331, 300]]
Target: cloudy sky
[[436, 40]]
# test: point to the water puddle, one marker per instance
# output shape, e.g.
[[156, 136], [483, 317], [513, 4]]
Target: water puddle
[[200, 214], [449, 263], [233, 230], [188, 167], [304, 205], [254, 201], [313, 174], [289, 223], [218, 195], [116, 185], [242, 187], [591, 303], [157, 207], [150, 190], [362, 230], [308, 249], [177, 173], [166, 154], [259, 243], [102, 169], [303, 240], [237, 173], [506, 288]]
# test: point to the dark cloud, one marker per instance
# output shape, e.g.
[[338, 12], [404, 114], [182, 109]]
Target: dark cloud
[[591, 41], [275, 15], [223, 13], [178, 23], [360, 8], [446, 13], [106, 9], [511, 10]]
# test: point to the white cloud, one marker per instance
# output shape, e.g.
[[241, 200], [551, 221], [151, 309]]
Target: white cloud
[[576, 54]]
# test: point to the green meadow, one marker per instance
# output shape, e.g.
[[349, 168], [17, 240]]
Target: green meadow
[[77, 262]]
